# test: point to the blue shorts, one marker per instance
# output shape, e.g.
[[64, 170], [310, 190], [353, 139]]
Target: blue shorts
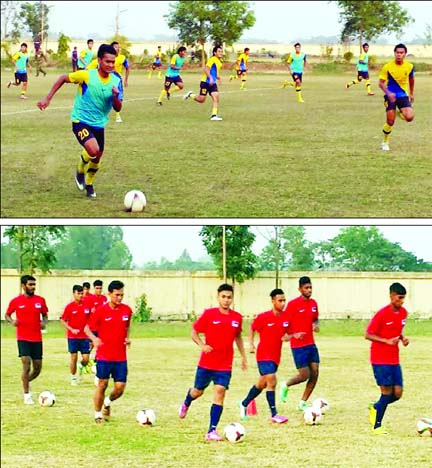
[[203, 378], [297, 76], [400, 103], [115, 369], [81, 345], [169, 80], [84, 132], [267, 367], [20, 78], [362, 74], [387, 375], [305, 356], [32, 349]]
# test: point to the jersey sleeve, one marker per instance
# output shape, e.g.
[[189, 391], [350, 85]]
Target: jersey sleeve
[[80, 76], [16, 56], [65, 314], [93, 64], [411, 74], [11, 307], [257, 323], [200, 324], [126, 63], [383, 75], [373, 327], [44, 310]]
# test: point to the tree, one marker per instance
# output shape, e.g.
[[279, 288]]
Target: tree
[[241, 262], [9, 20], [198, 22], [369, 19], [272, 257], [359, 248], [34, 18], [299, 251], [63, 45], [34, 246]]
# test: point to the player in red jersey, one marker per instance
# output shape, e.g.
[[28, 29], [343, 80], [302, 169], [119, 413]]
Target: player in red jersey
[[303, 322], [74, 318], [271, 326], [30, 318], [112, 323], [221, 327], [385, 331]]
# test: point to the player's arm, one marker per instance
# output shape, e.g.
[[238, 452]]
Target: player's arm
[[9, 319], [45, 102], [95, 340], [404, 339], [117, 102], [315, 326], [382, 85], [44, 321], [411, 86], [81, 59], [251, 339], [205, 348], [240, 346], [126, 66], [207, 72], [65, 324], [379, 339]]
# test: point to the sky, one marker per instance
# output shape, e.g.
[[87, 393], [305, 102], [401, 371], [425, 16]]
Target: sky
[[281, 21]]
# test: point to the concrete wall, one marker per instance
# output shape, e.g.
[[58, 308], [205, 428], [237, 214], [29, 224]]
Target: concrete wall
[[177, 294]]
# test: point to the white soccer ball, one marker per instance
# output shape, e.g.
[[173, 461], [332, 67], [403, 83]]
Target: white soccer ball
[[424, 426], [312, 416], [321, 404], [135, 201], [146, 417], [234, 432], [46, 398]]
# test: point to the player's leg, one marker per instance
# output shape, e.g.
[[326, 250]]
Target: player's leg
[[388, 126], [160, 71], [152, 67], [119, 373], [84, 348], [178, 86], [407, 113], [202, 381], [301, 361], [254, 391], [216, 409], [73, 367], [98, 398], [25, 373], [165, 91], [298, 86], [215, 98], [311, 383], [36, 359], [243, 80]]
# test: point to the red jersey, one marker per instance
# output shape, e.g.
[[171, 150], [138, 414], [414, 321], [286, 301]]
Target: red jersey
[[76, 315], [220, 331], [271, 328], [28, 311], [302, 313], [93, 300], [386, 323], [112, 326]]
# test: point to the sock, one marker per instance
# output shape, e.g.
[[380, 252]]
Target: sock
[[243, 84], [214, 110], [150, 74], [270, 395], [159, 74], [107, 401], [299, 95], [27, 395], [387, 129], [215, 415], [91, 172], [352, 83], [162, 95], [368, 86], [84, 159], [253, 393], [188, 399], [98, 415], [117, 114], [381, 406], [23, 92], [73, 376], [175, 89], [193, 96], [393, 398]]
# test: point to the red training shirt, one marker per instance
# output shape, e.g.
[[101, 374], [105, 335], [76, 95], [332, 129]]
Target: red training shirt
[[28, 311], [302, 313], [93, 300], [76, 315]]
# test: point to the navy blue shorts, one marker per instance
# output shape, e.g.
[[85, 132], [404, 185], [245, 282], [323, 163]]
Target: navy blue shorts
[[169, 80], [387, 375], [305, 356], [203, 378], [81, 345], [362, 75], [400, 103], [267, 367], [116, 369], [297, 76], [20, 78], [206, 88], [84, 132], [32, 349]]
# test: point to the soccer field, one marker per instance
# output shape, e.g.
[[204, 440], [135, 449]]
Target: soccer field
[[270, 157], [162, 362]]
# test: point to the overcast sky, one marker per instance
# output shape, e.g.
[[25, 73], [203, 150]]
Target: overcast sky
[[281, 21]]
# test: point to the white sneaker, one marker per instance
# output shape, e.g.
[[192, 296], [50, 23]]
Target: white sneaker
[[215, 117], [119, 119], [23, 96], [385, 146], [28, 400], [187, 95], [74, 381]]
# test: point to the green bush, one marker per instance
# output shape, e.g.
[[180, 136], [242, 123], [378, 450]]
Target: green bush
[[348, 56], [142, 310]]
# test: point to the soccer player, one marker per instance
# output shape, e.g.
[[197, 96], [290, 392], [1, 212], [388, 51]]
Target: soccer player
[[31, 316], [86, 289], [75, 59], [363, 70], [21, 62], [74, 318], [157, 63], [385, 331], [221, 327], [172, 75], [394, 79], [121, 64], [241, 67], [112, 322], [271, 326], [40, 57], [86, 56], [302, 315], [208, 83], [296, 65], [98, 92], [93, 301]]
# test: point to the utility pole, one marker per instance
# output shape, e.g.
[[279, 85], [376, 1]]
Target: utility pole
[[224, 255], [117, 21], [42, 26]]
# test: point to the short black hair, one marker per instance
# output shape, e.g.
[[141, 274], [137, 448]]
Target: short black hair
[[398, 289], [216, 47], [246, 49], [297, 44], [116, 284], [26, 278], [113, 43], [400, 46], [304, 280], [89, 40], [86, 284], [365, 44], [77, 287], [97, 283], [225, 287], [106, 49], [276, 292], [24, 44], [181, 49]]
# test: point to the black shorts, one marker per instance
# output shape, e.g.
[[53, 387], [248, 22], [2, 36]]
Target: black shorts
[[297, 76], [362, 75], [84, 132], [206, 88], [32, 349], [156, 65], [20, 78], [169, 80], [400, 103]]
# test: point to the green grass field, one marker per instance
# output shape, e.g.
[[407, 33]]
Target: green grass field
[[162, 362], [270, 157]]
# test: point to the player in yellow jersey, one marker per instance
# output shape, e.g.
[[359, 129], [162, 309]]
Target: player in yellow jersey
[[208, 83], [21, 62], [241, 68], [394, 79], [121, 64], [157, 63], [363, 70]]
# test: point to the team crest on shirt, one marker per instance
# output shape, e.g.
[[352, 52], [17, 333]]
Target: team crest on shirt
[[235, 323], [314, 309], [86, 311], [38, 305], [285, 324], [403, 322], [125, 317]]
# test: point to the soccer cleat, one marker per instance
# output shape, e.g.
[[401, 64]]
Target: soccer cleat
[[300, 100], [302, 405], [159, 103], [371, 94], [80, 183], [99, 420], [284, 84], [347, 86], [187, 95], [74, 381], [385, 146], [379, 431], [28, 400], [213, 436], [283, 392], [106, 411], [372, 414], [215, 117], [23, 96], [243, 412], [279, 419], [183, 411], [8, 84], [90, 191], [119, 119]]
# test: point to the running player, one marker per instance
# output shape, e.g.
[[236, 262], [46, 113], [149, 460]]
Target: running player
[[157, 63], [86, 56], [363, 70], [296, 65], [241, 68], [173, 75], [21, 62]]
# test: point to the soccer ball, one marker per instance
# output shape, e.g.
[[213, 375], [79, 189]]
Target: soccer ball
[[424, 426], [321, 404], [234, 432], [46, 398], [312, 416], [135, 201], [146, 417]]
